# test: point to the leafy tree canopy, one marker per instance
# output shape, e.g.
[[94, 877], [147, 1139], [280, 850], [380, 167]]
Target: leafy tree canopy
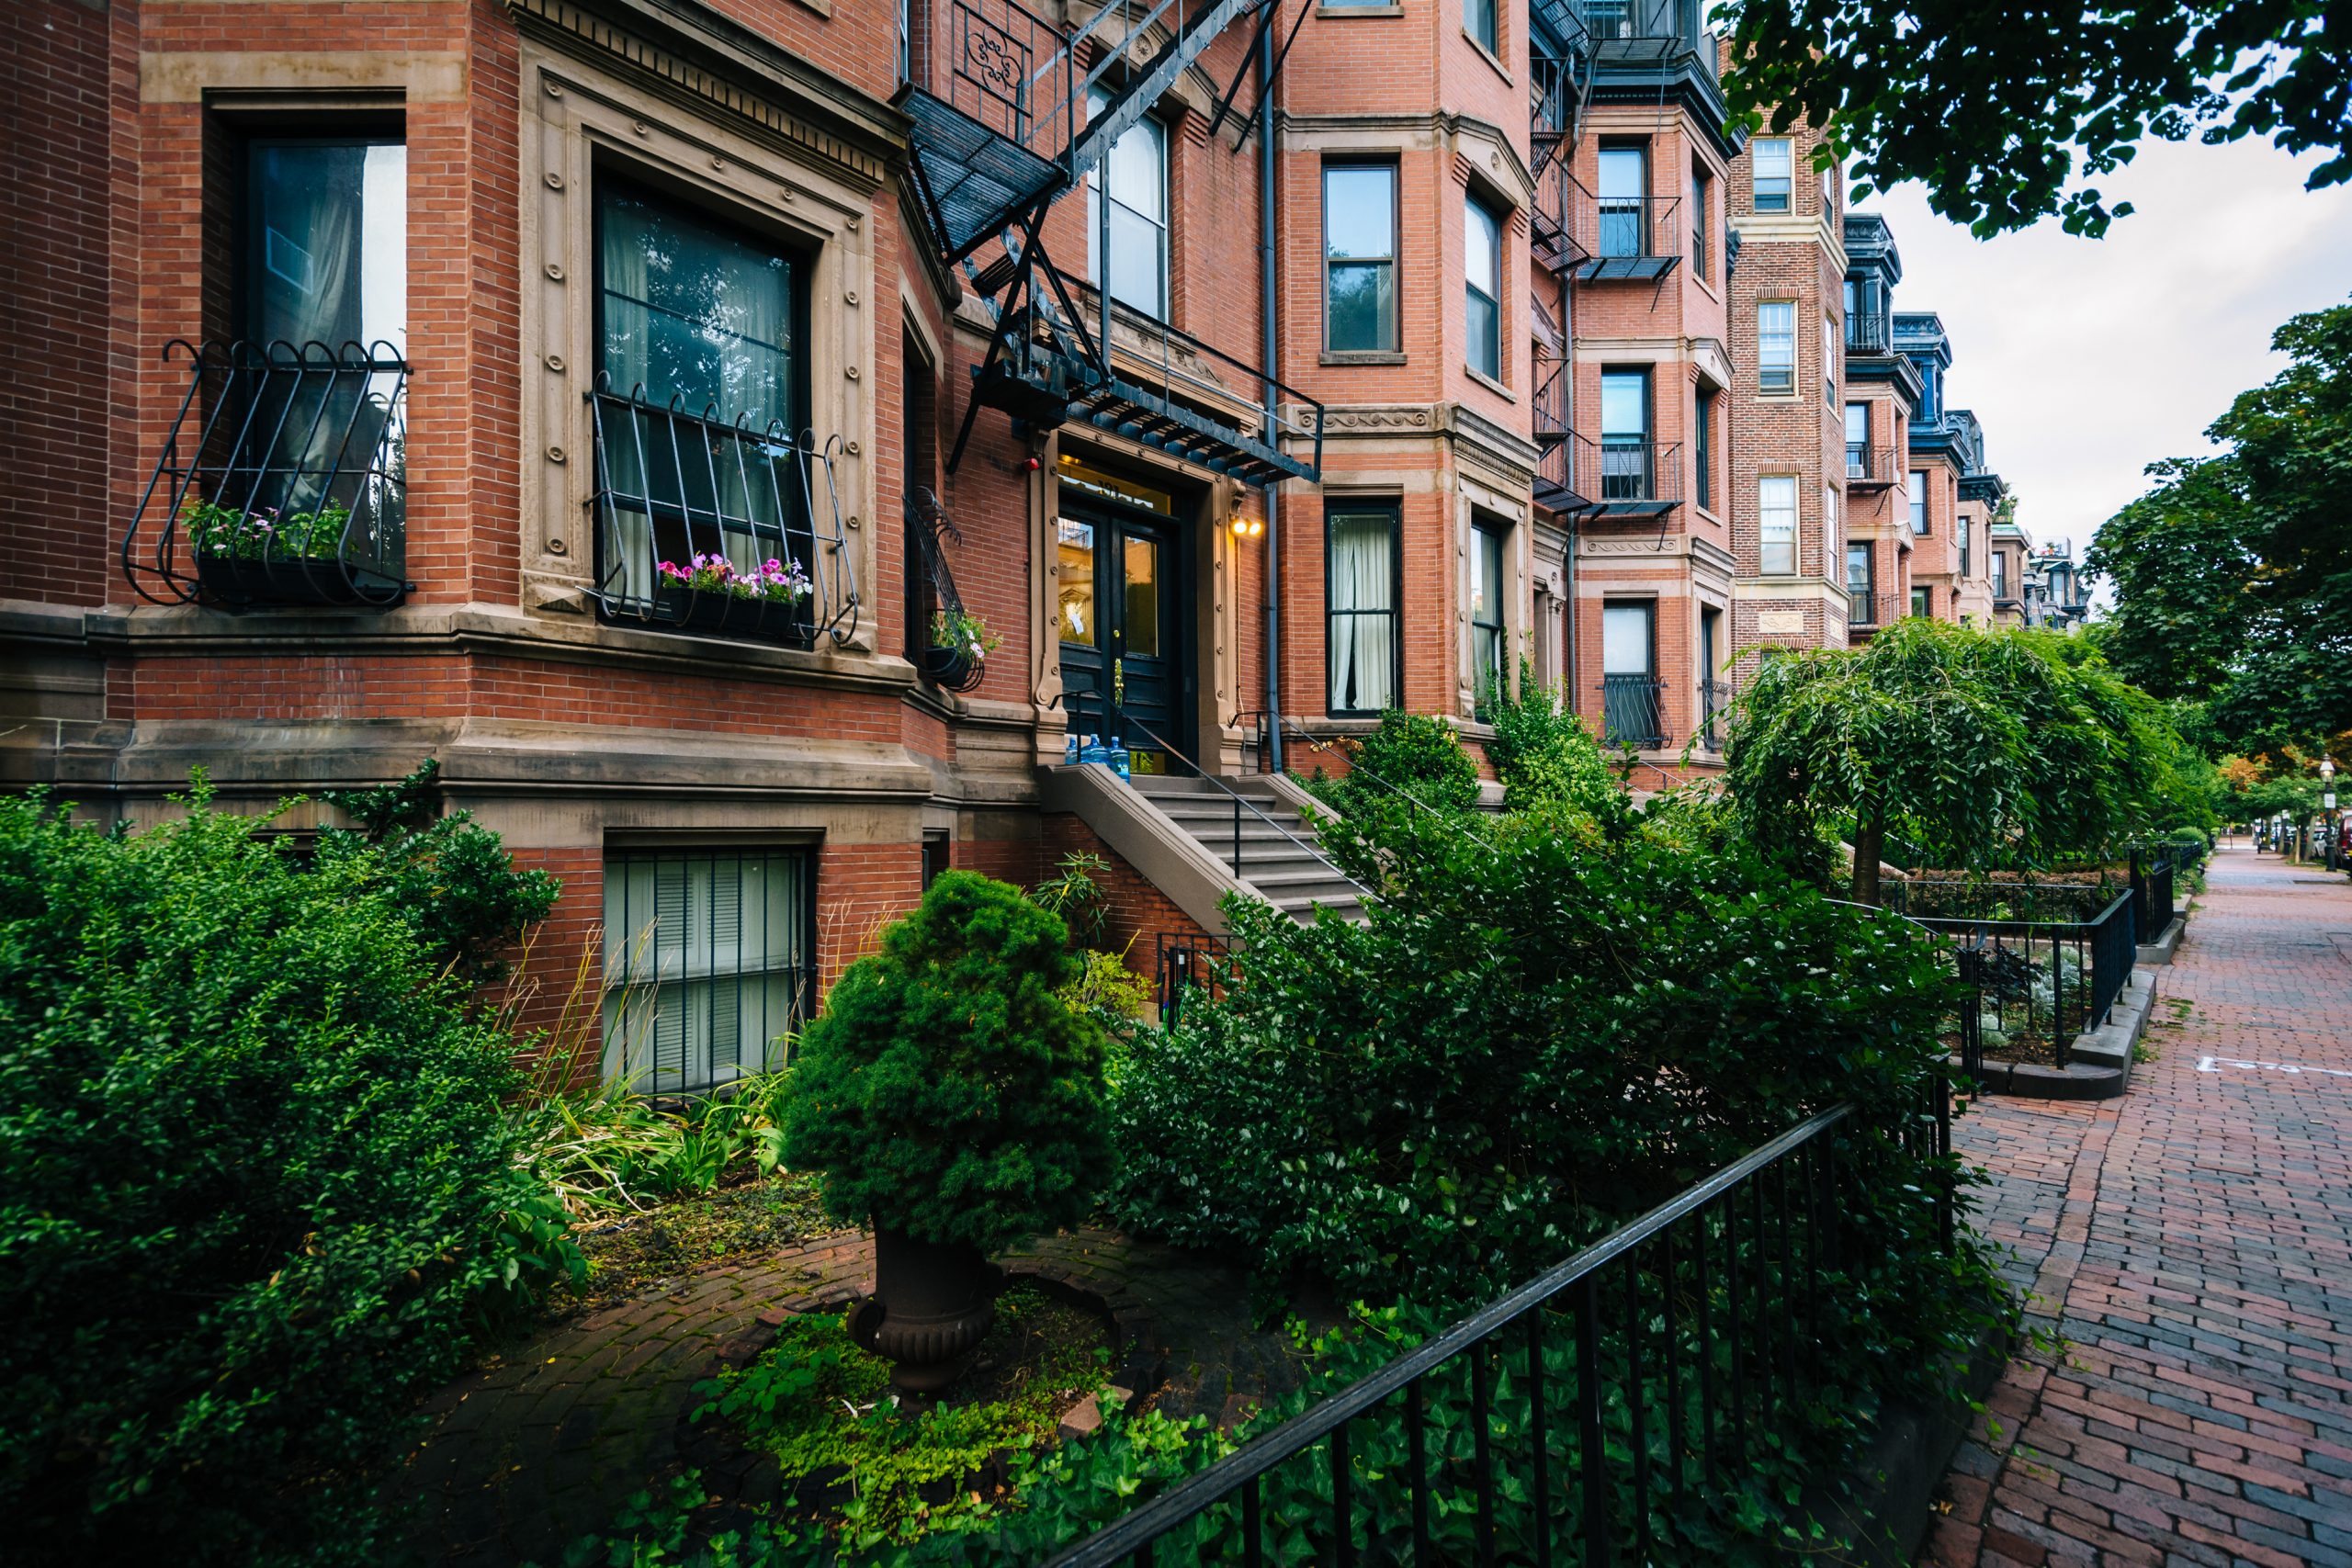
[[2004, 110], [2234, 574], [2010, 749]]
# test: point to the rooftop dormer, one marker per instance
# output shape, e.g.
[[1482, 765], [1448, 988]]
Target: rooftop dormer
[[1873, 266], [1919, 336]]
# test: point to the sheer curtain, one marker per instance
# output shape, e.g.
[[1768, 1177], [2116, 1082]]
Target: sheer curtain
[[1362, 611]]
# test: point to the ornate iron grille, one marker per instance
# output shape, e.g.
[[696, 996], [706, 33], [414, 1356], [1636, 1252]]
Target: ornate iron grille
[[729, 528], [283, 480]]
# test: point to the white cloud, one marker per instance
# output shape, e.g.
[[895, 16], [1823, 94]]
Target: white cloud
[[2088, 360]]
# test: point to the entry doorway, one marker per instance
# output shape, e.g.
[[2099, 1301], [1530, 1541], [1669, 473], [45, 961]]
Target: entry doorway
[[1122, 592]]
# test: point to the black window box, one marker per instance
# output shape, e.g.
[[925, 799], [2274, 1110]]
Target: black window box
[[720, 615]]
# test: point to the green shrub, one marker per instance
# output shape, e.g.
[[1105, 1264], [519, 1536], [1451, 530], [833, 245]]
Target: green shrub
[[947, 1091], [609, 1149], [1547, 759], [256, 1189], [1530, 1041], [449, 877], [1415, 753]]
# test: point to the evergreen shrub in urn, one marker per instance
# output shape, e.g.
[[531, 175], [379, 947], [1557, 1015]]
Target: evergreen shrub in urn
[[951, 1097]]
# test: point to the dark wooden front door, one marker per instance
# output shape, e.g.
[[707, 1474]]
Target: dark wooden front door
[[1121, 592]]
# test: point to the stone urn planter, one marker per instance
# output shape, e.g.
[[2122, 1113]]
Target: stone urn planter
[[930, 1305]]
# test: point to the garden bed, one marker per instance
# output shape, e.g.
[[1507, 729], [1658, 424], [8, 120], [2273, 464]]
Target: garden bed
[[807, 1435]]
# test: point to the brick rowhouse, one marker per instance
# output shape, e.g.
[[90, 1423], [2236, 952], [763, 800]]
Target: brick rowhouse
[[491, 308]]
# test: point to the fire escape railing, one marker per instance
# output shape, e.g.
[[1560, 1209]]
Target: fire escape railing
[[730, 528], [283, 480]]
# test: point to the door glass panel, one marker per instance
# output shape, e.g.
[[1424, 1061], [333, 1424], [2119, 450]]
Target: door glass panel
[[1077, 583], [1141, 634]]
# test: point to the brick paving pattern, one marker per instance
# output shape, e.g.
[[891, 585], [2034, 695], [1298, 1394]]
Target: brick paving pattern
[[2192, 1243], [540, 1446]]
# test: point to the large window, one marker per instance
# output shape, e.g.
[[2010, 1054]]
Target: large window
[[1829, 357], [1622, 202], [1702, 432], [2000, 574], [1363, 647], [1922, 603], [1630, 709], [1772, 159], [1478, 21], [709, 965], [1488, 561], [1483, 286], [1134, 176], [1360, 258], [1916, 490], [1776, 514], [1963, 532], [1859, 584], [1776, 345], [700, 339], [1858, 441], [324, 263], [1627, 458]]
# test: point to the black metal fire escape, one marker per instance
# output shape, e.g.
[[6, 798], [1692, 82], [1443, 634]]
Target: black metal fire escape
[[1011, 113], [1559, 89]]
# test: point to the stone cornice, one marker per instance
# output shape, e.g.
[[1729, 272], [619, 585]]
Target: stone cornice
[[691, 53]]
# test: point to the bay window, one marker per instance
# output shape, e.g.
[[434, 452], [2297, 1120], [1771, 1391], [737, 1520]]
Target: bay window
[[1363, 651], [1360, 258], [1776, 346], [1776, 512]]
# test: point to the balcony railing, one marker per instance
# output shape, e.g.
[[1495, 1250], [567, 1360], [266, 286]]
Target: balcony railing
[[731, 529], [1632, 711], [1631, 237], [1866, 608], [283, 480], [1655, 32], [1630, 475], [1554, 221], [1867, 333], [1870, 467]]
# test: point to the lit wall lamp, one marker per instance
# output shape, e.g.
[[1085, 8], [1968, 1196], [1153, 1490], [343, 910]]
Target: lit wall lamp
[[1248, 527]]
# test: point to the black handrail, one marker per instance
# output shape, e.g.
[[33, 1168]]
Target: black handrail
[[1119, 721], [1321, 744], [1774, 1362]]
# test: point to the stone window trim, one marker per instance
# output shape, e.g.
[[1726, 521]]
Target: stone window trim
[[580, 124]]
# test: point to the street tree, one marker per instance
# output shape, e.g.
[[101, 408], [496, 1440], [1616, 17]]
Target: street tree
[[2005, 111], [2234, 573], [1985, 749]]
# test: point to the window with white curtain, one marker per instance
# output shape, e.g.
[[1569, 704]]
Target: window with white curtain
[[1776, 513], [1135, 175], [1361, 641], [699, 314], [710, 965], [1776, 345]]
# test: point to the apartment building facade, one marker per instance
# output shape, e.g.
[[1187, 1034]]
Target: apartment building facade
[[614, 399]]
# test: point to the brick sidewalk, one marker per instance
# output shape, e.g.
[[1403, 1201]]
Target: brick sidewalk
[[2192, 1243]]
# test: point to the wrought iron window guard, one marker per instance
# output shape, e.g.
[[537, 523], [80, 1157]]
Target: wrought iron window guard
[[283, 479], [1714, 707], [1650, 1363], [1632, 711], [929, 532], [725, 527], [1864, 608]]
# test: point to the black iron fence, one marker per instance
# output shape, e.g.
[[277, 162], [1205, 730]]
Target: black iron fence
[[1593, 1414], [2152, 894], [727, 527], [1188, 961], [1632, 711], [2035, 984], [284, 479]]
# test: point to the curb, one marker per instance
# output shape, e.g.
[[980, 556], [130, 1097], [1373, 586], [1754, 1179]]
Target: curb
[[2167, 943], [2101, 1068]]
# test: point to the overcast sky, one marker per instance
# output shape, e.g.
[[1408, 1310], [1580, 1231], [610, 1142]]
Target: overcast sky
[[2088, 360]]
